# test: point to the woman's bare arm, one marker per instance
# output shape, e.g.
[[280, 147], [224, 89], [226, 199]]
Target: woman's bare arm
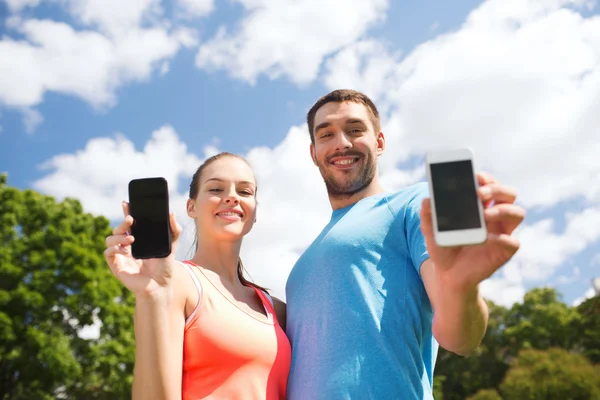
[[159, 323]]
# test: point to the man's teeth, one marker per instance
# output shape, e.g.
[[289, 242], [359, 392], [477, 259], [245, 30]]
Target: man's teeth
[[231, 214], [345, 162]]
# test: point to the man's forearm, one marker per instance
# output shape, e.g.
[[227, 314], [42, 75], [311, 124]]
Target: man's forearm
[[460, 318]]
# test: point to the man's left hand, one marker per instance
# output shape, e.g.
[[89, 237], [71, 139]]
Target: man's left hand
[[464, 267]]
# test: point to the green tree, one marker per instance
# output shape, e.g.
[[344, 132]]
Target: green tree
[[589, 328], [486, 394], [484, 369], [553, 374], [542, 321], [438, 388], [53, 283]]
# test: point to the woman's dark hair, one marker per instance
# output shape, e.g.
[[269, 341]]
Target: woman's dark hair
[[195, 187]]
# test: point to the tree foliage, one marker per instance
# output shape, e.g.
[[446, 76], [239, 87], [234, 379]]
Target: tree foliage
[[542, 323], [553, 374], [486, 394], [53, 283], [588, 329]]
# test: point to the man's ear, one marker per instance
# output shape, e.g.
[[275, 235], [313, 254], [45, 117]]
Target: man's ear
[[313, 155], [191, 208], [380, 144]]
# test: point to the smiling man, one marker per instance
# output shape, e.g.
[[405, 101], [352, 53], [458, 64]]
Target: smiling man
[[372, 296]]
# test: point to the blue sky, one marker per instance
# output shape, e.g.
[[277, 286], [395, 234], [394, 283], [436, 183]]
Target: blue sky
[[96, 92]]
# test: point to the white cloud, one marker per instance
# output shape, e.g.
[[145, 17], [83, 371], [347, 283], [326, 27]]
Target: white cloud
[[587, 295], [195, 8], [92, 65], [564, 279], [18, 5], [31, 119], [116, 18], [164, 68], [502, 291], [288, 38], [542, 252], [543, 249], [100, 173]]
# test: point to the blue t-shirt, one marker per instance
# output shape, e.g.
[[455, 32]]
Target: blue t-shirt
[[358, 316]]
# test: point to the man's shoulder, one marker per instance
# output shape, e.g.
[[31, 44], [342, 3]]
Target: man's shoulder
[[409, 197]]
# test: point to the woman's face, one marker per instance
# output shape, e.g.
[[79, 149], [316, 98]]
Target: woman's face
[[225, 207]]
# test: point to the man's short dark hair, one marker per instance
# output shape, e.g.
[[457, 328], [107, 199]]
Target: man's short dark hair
[[341, 96]]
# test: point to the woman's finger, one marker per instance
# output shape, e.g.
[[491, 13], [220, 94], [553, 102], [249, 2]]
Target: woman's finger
[[123, 240], [175, 227], [124, 227]]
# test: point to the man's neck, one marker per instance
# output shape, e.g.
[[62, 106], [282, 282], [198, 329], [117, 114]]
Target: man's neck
[[341, 201]]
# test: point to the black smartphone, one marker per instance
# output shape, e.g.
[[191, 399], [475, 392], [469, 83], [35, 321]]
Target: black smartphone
[[149, 207]]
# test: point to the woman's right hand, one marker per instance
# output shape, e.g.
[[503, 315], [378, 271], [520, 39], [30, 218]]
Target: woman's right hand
[[145, 278]]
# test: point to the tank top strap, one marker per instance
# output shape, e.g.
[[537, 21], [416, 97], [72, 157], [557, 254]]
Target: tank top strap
[[266, 303], [194, 315]]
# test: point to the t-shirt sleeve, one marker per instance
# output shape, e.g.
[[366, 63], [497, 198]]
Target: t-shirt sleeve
[[414, 236]]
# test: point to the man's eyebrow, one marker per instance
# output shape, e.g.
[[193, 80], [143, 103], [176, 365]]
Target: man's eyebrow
[[222, 180], [355, 121], [322, 125]]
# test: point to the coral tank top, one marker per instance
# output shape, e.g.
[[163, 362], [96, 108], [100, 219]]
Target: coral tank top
[[230, 354]]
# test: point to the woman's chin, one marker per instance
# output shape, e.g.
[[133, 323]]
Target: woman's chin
[[230, 233]]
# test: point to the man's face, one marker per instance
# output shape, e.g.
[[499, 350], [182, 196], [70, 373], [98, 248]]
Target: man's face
[[346, 147]]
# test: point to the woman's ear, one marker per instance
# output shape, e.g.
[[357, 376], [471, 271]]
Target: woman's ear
[[191, 208]]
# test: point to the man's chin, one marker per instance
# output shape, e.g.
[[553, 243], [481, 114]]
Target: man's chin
[[341, 190]]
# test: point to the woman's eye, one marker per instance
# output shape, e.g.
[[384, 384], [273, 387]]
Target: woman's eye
[[246, 192]]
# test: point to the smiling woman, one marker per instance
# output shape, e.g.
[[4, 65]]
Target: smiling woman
[[206, 302]]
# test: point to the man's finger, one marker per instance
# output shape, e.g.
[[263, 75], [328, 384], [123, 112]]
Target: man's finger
[[509, 243], [497, 193], [507, 216], [484, 178]]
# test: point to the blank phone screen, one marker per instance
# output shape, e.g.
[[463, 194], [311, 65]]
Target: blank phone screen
[[149, 207], [455, 195]]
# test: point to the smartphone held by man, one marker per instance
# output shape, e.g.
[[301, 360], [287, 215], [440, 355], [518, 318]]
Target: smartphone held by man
[[457, 211]]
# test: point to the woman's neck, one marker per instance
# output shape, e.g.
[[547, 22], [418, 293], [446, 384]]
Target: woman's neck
[[221, 257]]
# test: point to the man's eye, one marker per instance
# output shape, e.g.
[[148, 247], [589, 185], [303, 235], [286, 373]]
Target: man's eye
[[215, 190]]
